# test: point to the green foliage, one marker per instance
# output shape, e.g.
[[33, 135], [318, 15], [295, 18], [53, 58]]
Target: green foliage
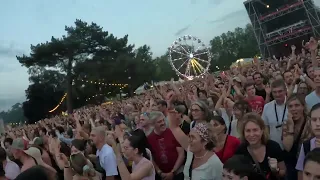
[[230, 46], [89, 53], [13, 115]]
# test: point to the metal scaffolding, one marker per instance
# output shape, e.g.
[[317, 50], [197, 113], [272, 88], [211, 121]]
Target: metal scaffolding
[[267, 40], [257, 28]]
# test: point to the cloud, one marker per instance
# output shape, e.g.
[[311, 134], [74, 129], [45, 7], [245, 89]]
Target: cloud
[[235, 14], [10, 51], [7, 103], [182, 30]]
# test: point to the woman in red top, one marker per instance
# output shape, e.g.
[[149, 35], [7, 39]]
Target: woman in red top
[[226, 145]]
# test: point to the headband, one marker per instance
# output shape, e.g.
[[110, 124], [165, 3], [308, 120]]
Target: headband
[[203, 131]]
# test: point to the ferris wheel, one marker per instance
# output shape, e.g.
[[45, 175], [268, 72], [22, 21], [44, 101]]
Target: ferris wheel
[[189, 57]]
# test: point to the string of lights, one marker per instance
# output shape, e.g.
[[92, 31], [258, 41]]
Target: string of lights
[[122, 86], [57, 106], [103, 83], [94, 96]]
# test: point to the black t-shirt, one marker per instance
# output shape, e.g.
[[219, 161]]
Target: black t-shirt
[[263, 94], [273, 150]]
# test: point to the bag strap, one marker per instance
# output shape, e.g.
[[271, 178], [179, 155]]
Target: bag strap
[[255, 160]]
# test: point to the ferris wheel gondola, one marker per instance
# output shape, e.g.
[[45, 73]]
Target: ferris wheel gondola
[[189, 57]]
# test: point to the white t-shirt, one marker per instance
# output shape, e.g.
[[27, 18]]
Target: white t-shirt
[[270, 112], [234, 130], [12, 170], [149, 154], [108, 160], [211, 170], [226, 118], [312, 99]]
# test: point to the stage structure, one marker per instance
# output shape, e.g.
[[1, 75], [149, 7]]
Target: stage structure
[[278, 24]]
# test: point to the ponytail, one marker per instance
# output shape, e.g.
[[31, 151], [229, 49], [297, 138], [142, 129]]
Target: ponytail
[[145, 154]]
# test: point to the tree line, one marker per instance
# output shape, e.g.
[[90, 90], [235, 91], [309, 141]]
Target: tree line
[[89, 53]]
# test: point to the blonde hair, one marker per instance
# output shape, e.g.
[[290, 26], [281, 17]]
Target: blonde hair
[[301, 101], [256, 119], [80, 165]]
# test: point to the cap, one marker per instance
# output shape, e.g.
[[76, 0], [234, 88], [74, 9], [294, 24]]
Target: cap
[[37, 141], [36, 154], [20, 143]]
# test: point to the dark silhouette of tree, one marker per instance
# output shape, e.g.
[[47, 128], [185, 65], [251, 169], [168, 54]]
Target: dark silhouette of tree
[[82, 42], [45, 92], [13, 115], [233, 45]]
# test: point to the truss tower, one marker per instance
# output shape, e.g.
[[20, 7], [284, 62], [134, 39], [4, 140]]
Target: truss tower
[[276, 23]]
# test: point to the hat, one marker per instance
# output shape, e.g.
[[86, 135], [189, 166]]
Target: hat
[[20, 144], [36, 154], [236, 79], [37, 141]]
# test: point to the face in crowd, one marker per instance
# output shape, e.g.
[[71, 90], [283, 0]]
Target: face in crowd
[[312, 165], [315, 121], [144, 120], [160, 124], [254, 129], [279, 93], [288, 77], [257, 79], [316, 79], [296, 108], [197, 112]]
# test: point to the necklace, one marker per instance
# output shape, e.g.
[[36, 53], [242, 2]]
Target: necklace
[[201, 156]]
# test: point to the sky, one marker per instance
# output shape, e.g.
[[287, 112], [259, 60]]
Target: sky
[[156, 23]]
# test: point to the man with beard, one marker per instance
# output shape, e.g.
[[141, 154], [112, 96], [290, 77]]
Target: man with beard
[[167, 153], [260, 87]]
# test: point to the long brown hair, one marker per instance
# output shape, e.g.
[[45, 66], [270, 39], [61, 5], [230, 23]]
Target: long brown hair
[[256, 119]]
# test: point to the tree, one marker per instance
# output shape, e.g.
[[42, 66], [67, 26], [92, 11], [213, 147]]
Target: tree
[[230, 46], [43, 94], [164, 71], [82, 42], [13, 115]]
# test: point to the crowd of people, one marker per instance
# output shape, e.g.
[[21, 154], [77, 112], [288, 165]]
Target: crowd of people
[[253, 122]]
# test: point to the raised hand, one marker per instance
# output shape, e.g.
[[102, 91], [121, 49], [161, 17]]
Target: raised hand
[[273, 163], [267, 89], [173, 118]]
